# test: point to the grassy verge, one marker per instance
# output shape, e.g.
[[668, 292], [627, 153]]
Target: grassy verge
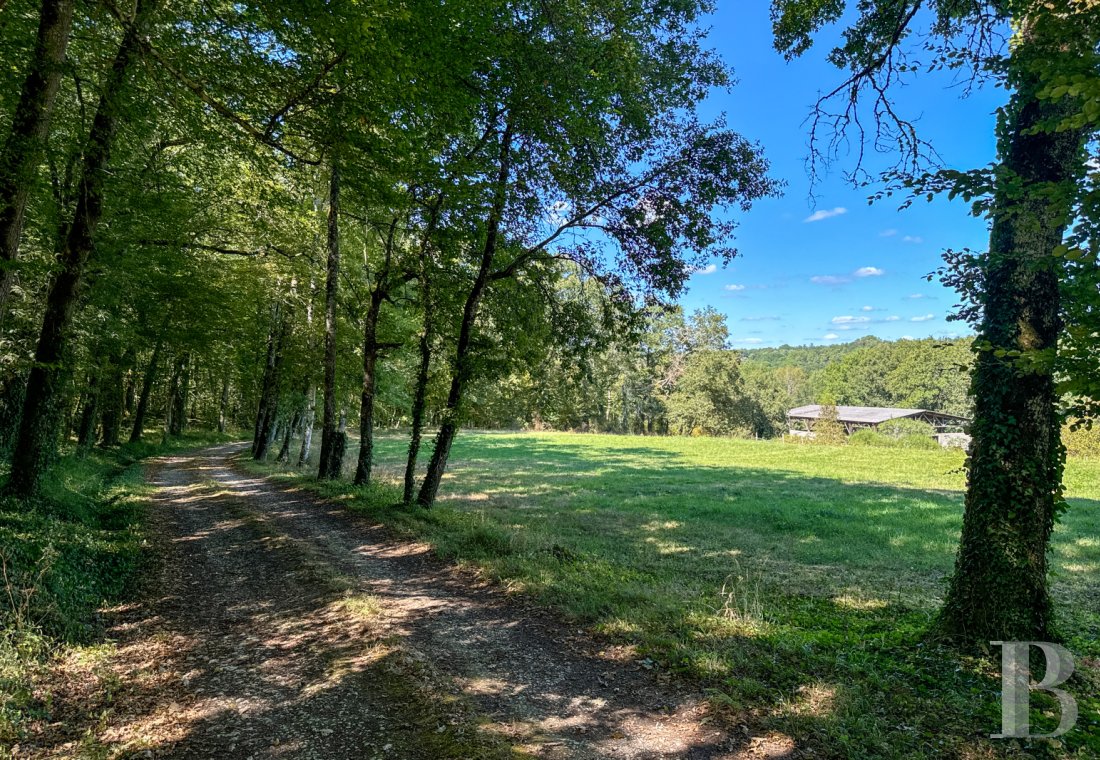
[[794, 582], [64, 555]]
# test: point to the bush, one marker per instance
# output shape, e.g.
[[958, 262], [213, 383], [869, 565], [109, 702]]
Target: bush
[[827, 429], [905, 427], [1082, 442], [917, 441], [868, 437]]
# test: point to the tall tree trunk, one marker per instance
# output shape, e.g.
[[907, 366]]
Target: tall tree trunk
[[29, 129], [370, 364], [463, 368], [420, 393], [269, 404], [263, 410], [178, 400], [288, 435], [223, 404], [129, 394], [190, 393], [171, 406], [999, 587], [307, 426], [366, 407], [85, 434], [38, 429], [147, 388], [114, 398], [331, 464]]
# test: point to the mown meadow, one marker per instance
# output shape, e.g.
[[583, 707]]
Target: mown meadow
[[795, 582]]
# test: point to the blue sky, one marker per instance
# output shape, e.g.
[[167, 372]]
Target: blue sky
[[830, 268]]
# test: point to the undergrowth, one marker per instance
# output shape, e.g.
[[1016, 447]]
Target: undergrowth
[[64, 555]]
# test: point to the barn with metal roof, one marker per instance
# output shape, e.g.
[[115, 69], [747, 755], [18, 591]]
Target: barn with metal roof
[[802, 419]]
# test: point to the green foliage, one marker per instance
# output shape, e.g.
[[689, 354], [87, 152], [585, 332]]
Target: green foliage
[[892, 440], [1081, 439], [709, 396], [913, 374], [906, 427], [827, 429], [869, 437], [78, 546]]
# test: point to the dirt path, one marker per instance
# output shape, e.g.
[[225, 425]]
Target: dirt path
[[285, 627]]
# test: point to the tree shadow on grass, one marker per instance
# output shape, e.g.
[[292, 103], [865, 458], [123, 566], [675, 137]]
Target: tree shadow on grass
[[835, 581], [799, 598], [253, 647]]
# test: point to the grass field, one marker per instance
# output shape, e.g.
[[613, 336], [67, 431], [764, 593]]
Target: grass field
[[795, 582]]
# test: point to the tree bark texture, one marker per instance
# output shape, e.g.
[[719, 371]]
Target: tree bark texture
[[999, 587], [331, 465], [29, 129], [463, 368], [38, 430]]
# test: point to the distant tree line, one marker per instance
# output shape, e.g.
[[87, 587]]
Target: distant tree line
[[675, 374]]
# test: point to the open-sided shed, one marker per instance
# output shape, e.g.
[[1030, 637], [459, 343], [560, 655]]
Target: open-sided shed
[[803, 418]]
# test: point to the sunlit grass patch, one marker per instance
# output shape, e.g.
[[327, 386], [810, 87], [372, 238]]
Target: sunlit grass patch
[[795, 582]]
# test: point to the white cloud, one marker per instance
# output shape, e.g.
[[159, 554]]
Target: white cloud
[[735, 288], [831, 336], [925, 318], [907, 337], [915, 296], [912, 239], [869, 272], [891, 318], [750, 341], [768, 318], [868, 308], [708, 269], [828, 279], [849, 320], [888, 233], [824, 213]]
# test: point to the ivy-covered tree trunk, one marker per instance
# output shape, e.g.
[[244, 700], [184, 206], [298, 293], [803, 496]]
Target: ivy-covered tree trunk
[[331, 439], [999, 587], [38, 430], [29, 128]]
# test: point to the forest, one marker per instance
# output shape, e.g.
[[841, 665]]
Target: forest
[[678, 376], [341, 230]]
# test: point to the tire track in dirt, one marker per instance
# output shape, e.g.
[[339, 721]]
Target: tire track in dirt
[[282, 626], [548, 688]]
